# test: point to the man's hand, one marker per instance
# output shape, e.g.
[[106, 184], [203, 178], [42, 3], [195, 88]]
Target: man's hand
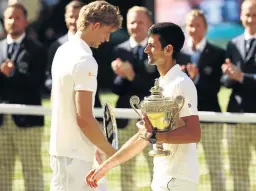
[[123, 69], [183, 68], [232, 71], [192, 70], [128, 70], [145, 128], [89, 179], [95, 175], [117, 67], [7, 67]]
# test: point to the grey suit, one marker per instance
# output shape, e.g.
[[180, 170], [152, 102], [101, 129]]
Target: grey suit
[[241, 100]]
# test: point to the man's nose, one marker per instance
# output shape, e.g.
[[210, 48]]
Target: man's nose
[[192, 29], [146, 49], [11, 21]]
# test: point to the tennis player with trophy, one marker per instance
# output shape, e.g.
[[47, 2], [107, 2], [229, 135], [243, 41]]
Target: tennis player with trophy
[[169, 119]]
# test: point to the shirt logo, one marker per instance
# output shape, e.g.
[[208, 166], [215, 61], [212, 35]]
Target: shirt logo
[[189, 105], [91, 74]]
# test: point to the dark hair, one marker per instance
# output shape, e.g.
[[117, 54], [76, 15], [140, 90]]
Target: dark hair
[[75, 5], [18, 6], [169, 33]]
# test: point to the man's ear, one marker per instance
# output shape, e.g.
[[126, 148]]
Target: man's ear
[[95, 26], [169, 49]]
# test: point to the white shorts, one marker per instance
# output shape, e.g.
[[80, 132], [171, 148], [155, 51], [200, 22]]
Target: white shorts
[[69, 175], [176, 184]]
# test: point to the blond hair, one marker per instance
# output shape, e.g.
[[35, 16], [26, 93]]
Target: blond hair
[[74, 5], [250, 2], [142, 9], [197, 13], [99, 11]]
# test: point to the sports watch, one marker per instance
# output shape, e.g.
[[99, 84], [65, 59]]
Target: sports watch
[[152, 139]]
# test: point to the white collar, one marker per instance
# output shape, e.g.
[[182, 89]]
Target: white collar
[[18, 40], [247, 36], [200, 46], [70, 35], [83, 43], [172, 72], [133, 43]]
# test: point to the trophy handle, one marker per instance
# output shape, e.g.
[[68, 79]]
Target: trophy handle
[[179, 101], [135, 104]]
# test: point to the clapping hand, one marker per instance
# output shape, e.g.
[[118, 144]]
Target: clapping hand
[[232, 71], [117, 67], [123, 69], [7, 67], [192, 70], [183, 68]]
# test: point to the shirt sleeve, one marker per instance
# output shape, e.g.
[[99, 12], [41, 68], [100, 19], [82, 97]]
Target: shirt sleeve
[[85, 75], [188, 90]]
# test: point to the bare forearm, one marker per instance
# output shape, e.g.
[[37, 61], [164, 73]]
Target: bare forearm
[[92, 130], [129, 150], [182, 135]]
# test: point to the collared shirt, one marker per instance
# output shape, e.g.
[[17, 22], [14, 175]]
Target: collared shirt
[[247, 36], [73, 69], [133, 43], [249, 39], [195, 54], [199, 47], [18, 40], [182, 162]]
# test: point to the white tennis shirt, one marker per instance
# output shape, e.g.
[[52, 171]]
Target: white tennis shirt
[[182, 162], [73, 69]]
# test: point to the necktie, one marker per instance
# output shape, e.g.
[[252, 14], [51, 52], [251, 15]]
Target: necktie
[[248, 45], [138, 53], [12, 49], [195, 57]]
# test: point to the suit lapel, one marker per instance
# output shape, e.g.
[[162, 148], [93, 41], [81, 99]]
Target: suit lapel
[[241, 47], [251, 52], [203, 55], [127, 46], [20, 52], [3, 53]]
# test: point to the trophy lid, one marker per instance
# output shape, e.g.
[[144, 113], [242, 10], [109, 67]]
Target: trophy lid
[[156, 102], [156, 91]]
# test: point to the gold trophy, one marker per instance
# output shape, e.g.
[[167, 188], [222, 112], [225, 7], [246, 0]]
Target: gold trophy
[[163, 113]]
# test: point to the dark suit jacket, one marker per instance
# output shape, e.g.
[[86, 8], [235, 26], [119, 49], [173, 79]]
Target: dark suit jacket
[[52, 50], [145, 76], [25, 85], [243, 95], [208, 84]]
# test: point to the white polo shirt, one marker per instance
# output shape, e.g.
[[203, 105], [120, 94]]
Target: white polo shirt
[[182, 162], [74, 68]]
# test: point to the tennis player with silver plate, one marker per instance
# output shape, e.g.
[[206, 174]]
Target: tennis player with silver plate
[[162, 112]]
